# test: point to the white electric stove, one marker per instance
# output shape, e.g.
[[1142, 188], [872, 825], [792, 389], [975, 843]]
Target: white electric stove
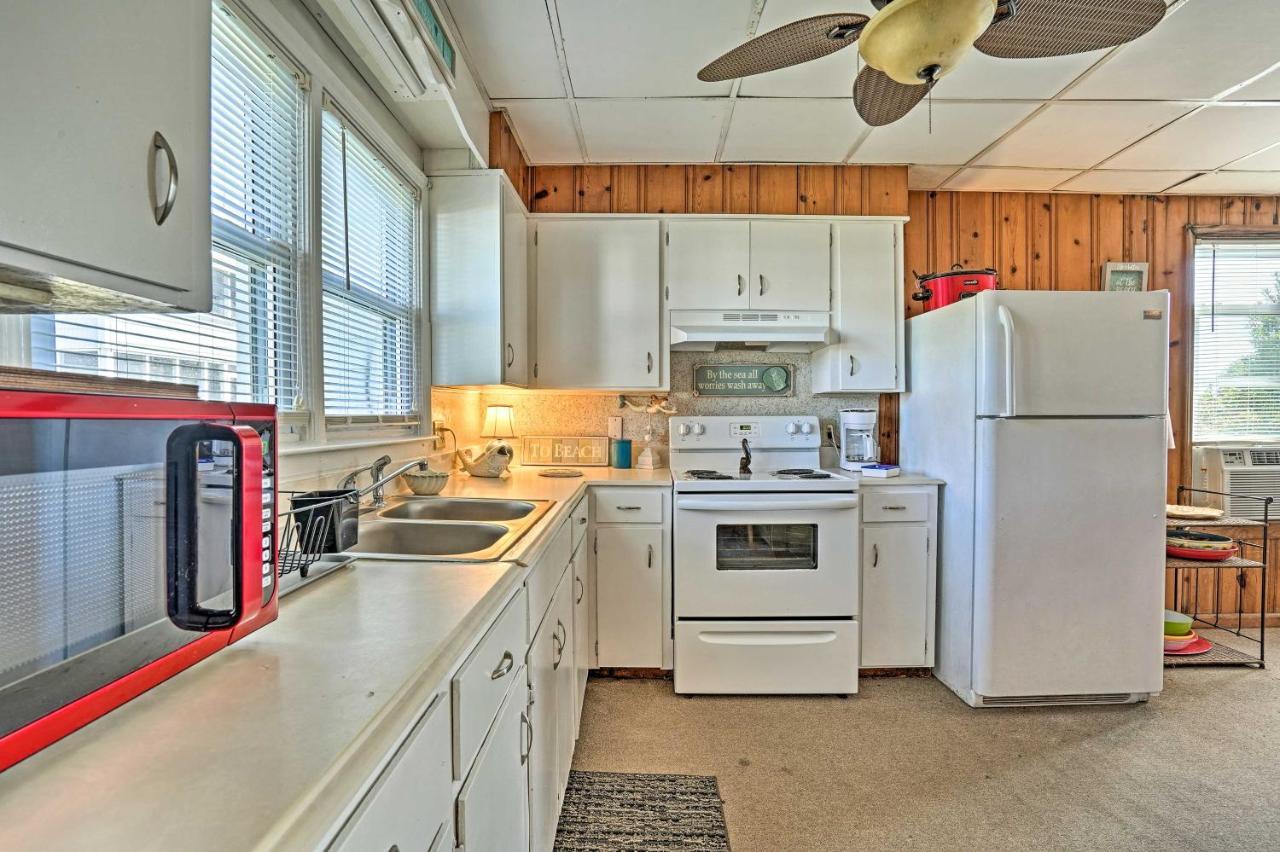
[[766, 559]]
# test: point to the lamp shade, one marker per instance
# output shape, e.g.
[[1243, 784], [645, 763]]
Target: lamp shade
[[498, 422]]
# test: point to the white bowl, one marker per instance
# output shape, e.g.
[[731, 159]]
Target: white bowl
[[426, 483]]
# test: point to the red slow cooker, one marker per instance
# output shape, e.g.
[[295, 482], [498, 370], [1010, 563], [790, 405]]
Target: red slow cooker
[[943, 288]]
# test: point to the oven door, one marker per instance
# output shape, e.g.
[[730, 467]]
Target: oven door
[[131, 549], [766, 555]]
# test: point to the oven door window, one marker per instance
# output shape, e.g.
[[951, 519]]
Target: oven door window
[[767, 547]]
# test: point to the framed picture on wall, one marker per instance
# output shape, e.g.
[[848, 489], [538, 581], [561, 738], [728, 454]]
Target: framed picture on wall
[[1124, 277]]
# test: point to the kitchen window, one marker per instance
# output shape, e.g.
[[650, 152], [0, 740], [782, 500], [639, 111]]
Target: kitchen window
[[246, 348], [369, 268], [1236, 374]]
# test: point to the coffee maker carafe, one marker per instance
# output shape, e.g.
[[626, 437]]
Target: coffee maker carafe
[[859, 444]]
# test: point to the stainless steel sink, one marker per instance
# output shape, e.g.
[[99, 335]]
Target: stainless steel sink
[[457, 509], [448, 529]]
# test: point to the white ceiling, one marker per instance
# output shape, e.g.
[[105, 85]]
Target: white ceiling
[[1193, 105]]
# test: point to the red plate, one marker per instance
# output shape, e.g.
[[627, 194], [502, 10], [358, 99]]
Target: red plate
[[1200, 646], [1201, 555]]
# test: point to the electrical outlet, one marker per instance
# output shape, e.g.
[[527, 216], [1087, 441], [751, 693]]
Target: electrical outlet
[[615, 428]]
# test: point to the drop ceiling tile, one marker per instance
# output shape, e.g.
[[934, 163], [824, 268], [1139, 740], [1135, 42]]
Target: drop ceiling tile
[[1263, 161], [929, 177], [621, 48], [1203, 140], [792, 130], [1203, 48], [1117, 181], [545, 130], [982, 76], [512, 47], [960, 130], [1232, 183], [1009, 180], [828, 77], [679, 130], [1265, 88], [1078, 135]]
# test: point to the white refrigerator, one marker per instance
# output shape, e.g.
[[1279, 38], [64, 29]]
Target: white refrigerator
[[1044, 414]]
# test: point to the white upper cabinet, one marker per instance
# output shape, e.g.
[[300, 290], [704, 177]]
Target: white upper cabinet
[[105, 172], [734, 264], [868, 314], [598, 304], [479, 281], [790, 266], [708, 264]]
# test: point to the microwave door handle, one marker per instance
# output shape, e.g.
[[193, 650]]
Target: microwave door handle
[[182, 530]]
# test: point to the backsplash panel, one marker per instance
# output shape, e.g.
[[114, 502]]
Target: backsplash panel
[[560, 413]]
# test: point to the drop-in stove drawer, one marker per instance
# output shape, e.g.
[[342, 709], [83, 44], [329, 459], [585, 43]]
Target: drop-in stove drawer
[[766, 657]]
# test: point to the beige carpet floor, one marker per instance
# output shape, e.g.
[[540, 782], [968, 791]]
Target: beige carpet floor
[[906, 765]]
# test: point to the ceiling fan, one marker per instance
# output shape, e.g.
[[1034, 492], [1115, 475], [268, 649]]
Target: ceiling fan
[[909, 45]]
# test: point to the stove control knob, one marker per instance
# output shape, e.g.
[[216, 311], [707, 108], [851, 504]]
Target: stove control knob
[[699, 429], [684, 429], [806, 428], [792, 428]]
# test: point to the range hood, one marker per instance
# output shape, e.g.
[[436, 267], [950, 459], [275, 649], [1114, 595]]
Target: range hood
[[775, 331]]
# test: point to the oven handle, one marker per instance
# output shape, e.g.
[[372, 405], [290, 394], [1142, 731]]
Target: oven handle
[[710, 504], [182, 563]]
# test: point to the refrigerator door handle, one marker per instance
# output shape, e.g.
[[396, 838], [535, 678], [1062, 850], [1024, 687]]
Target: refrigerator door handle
[[1010, 336]]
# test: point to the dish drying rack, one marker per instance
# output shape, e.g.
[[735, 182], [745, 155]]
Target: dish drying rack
[[304, 531], [1189, 601]]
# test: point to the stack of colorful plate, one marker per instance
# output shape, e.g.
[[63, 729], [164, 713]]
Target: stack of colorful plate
[[1209, 547], [1179, 638]]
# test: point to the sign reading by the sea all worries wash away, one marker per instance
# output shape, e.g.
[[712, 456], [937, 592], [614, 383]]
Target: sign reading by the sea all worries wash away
[[744, 380]]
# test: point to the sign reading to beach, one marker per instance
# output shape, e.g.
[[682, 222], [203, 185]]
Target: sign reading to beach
[[744, 380]]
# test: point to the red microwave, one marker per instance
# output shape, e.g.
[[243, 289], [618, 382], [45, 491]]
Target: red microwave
[[137, 537]]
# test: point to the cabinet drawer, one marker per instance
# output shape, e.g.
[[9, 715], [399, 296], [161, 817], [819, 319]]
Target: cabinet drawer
[[766, 657], [412, 795], [578, 522], [892, 504], [629, 506], [546, 574], [483, 680]]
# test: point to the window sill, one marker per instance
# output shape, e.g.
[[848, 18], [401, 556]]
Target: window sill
[[338, 446]]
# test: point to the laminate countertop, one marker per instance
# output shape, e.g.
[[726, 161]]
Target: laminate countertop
[[263, 744]]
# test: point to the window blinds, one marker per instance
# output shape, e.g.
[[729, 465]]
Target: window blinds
[[1236, 354], [246, 348], [368, 260]]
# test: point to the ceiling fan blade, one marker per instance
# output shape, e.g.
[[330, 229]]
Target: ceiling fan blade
[[800, 41], [882, 100], [1042, 28]]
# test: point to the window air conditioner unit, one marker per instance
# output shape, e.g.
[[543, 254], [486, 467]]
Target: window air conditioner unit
[[397, 40], [1242, 470]]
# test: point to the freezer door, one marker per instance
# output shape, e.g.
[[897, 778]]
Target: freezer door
[[1072, 354], [1068, 584]]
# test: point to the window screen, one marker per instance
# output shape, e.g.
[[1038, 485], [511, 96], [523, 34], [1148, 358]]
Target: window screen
[[246, 348], [1236, 394], [368, 226]]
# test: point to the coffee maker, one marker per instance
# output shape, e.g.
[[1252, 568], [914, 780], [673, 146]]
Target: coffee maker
[[859, 443]]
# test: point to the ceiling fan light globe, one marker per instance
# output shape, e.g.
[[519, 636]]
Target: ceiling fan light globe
[[908, 36]]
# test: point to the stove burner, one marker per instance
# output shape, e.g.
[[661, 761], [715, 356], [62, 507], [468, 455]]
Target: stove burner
[[706, 474], [793, 471], [699, 472], [815, 475]]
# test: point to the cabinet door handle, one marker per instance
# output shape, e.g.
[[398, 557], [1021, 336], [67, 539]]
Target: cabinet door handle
[[582, 589], [627, 508], [162, 207], [650, 561], [511, 355], [894, 508], [582, 521], [853, 365], [648, 362], [559, 644], [742, 283], [875, 555], [762, 284], [504, 667], [525, 722]]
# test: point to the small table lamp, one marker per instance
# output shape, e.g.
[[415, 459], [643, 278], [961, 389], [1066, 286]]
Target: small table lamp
[[494, 458]]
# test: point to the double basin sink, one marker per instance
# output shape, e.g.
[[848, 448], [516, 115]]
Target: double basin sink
[[461, 529]]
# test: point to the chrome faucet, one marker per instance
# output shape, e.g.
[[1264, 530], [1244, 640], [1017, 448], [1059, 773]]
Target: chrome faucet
[[379, 478], [375, 470], [744, 463]]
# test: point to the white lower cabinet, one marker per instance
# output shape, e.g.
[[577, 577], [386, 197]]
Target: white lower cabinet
[[493, 805], [551, 709], [445, 838], [583, 593], [403, 809], [630, 562], [899, 575]]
